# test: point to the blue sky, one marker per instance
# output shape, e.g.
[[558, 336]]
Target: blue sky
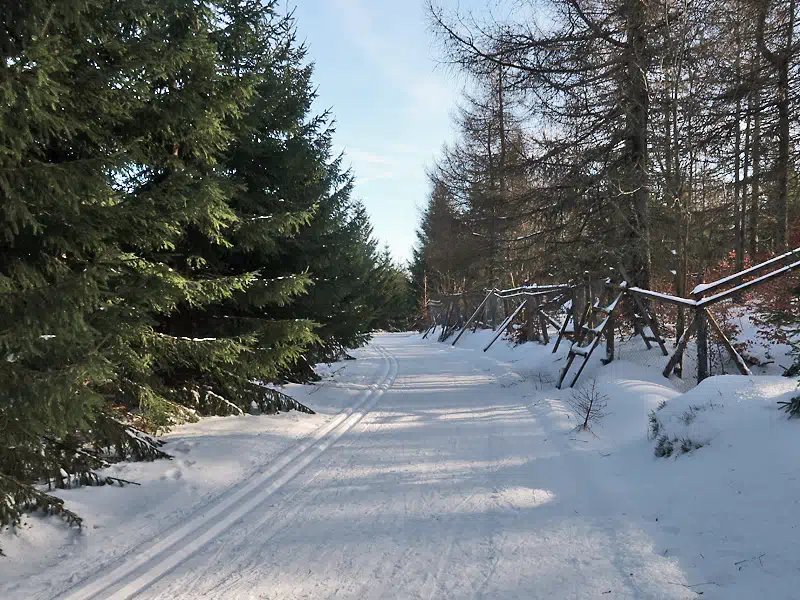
[[376, 68]]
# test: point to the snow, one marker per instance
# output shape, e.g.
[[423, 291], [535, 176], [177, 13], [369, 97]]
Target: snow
[[534, 288], [747, 284], [667, 297], [433, 471], [730, 410], [580, 350], [700, 288], [773, 358], [613, 305]]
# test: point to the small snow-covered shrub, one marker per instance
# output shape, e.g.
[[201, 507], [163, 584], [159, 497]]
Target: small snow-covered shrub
[[654, 425], [677, 446], [673, 431], [689, 416], [687, 445], [663, 447]]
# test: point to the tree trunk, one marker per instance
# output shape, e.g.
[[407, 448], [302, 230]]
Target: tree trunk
[[737, 159], [531, 333], [742, 224], [638, 104], [782, 166], [755, 185], [780, 61]]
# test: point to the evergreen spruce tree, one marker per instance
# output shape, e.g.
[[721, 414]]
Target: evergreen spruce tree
[[266, 170], [340, 254], [393, 299], [172, 228], [315, 237], [112, 115], [51, 275]]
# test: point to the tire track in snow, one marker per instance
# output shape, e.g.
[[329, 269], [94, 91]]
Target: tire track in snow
[[154, 562], [270, 523]]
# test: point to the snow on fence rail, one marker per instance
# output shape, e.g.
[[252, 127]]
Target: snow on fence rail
[[594, 321]]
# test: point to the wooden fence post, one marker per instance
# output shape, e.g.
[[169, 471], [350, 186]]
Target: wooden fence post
[[542, 322], [531, 332], [737, 358], [677, 356], [506, 323], [473, 318], [491, 308], [610, 349], [702, 343], [577, 306], [591, 292]]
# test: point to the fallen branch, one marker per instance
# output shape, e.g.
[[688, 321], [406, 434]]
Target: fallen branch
[[689, 587], [746, 560]]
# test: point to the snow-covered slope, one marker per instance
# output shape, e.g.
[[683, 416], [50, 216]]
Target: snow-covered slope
[[212, 459], [440, 472]]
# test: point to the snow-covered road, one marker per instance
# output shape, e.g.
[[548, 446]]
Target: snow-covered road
[[440, 482], [438, 472]]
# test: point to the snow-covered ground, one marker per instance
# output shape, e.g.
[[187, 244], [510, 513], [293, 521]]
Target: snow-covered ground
[[439, 472]]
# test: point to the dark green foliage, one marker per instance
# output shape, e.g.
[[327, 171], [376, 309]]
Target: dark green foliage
[[793, 334], [666, 446], [174, 232], [352, 280], [653, 425], [225, 348], [272, 401], [676, 446], [19, 498], [791, 407], [394, 299], [69, 91], [443, 256], [339, 253]]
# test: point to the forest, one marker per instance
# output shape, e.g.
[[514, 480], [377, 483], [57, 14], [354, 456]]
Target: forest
[[600, 138], [176, 232], [219, 377], [179, 236]]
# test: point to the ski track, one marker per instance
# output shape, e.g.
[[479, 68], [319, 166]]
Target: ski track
[[440, 482], [141, 566]]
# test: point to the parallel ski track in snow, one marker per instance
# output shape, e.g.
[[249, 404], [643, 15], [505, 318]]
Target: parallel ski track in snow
[[141, 567]]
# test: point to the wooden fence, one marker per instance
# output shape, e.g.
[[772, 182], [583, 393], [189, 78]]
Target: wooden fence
[[590, 320]]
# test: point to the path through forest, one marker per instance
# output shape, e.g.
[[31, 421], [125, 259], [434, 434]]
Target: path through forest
[[439, 482]]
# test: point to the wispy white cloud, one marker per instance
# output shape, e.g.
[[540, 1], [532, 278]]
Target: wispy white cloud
[[399, 148], [388, 162], [429, 95], [371, 166], [370, 177], [397, 57], [370, 158]]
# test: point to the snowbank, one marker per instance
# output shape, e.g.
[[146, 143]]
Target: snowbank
[[727, 411], [724, 508], [210, 458]]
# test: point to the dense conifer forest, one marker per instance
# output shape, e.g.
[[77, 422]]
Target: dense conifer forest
[[177, 233], [658, 139]]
